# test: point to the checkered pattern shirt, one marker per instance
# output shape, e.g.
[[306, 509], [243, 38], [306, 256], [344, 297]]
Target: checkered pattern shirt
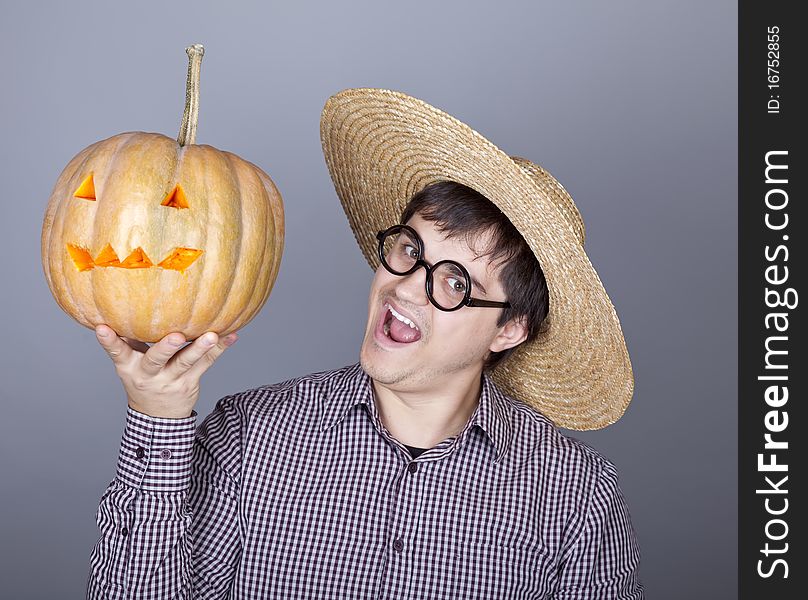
[[297, 490]]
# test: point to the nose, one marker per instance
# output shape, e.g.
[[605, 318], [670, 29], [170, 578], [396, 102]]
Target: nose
[[412, 287]]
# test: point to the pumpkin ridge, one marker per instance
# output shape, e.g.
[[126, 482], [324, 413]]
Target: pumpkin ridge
[[265, 274], [61, 211], [181, 156], [178, 156], [125, 138], [236, 176], [52, 213], [278, 218], [236, 170]]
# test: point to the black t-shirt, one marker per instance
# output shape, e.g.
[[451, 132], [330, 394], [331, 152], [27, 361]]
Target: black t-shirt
[[416, 452]]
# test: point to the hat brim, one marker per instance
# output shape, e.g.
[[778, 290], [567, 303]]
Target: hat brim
[[382, 146]]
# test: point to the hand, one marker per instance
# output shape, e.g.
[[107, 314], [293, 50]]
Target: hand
[[162, 380]]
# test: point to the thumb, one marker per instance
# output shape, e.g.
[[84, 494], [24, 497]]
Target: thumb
[[119, 351]]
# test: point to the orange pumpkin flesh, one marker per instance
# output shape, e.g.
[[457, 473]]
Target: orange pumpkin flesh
[[81, 257], [107, 258], [219, 254], [136, 260], [87, 189], [176, 198], [180, 259]]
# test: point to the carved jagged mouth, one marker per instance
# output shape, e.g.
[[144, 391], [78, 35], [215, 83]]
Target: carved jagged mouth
[[178, 260]]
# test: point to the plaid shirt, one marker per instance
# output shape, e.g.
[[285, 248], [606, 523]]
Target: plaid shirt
[[297, 490]]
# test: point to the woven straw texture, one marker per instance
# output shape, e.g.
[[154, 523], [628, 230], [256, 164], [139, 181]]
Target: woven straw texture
[[383, 146]]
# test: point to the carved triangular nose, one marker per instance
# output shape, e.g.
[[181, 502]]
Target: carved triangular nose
[[176, 198]]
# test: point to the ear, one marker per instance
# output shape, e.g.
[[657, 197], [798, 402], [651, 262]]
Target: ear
[[511, 334]]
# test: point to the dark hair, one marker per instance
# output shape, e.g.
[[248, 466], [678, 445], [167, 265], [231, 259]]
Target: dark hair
[[460, 211]]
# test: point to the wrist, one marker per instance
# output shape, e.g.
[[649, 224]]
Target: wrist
[[171, 412]]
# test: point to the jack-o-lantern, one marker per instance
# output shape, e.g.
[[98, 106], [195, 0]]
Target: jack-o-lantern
[[151, 235]]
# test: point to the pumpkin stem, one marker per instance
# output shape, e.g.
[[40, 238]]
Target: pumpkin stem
[[191, 115]]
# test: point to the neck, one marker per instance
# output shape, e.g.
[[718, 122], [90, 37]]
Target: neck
[[425, 417]]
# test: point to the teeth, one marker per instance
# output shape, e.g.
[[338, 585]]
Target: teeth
[[401, 318]]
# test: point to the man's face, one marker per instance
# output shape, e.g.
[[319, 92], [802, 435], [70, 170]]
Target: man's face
[[447, 345]]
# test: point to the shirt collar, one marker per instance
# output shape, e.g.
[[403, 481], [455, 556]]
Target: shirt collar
[[353, 388], [492, 415]]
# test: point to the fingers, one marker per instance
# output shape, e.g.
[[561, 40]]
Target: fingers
[[168, 353], [186, 359], [119, 351], [158, 355], [209, 357]]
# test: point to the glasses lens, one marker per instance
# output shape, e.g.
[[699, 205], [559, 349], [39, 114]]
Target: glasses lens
[[449, 285], [400, 251]]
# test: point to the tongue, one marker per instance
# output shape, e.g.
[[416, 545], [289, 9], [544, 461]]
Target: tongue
[[403, 333]]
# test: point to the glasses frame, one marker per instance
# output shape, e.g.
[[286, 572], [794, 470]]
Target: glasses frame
[[420, 262]]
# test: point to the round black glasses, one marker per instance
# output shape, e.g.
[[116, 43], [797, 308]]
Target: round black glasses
[[448, 283]]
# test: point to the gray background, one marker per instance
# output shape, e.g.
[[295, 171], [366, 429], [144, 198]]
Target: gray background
[[630, 104]]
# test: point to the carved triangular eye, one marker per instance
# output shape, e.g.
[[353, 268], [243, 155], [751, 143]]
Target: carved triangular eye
[[87, 189], [176, 198]]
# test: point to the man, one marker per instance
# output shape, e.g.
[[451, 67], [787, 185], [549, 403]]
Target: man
[[411, 474]]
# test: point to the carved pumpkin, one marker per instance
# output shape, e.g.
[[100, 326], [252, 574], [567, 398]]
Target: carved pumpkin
[[151, 235]]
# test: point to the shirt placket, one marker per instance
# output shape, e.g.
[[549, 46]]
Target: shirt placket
[[405, 513], [403, 529], [404, 522]]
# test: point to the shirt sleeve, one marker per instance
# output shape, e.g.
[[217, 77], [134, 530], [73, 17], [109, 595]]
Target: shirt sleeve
[[168, 521], [603, 562]]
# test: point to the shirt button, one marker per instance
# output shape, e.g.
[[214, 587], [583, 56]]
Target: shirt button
[[412, 467], [398, 545], [165, 454], [124, 531], [140, 452]]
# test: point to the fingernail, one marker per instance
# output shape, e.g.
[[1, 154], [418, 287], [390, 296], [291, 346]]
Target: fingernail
[[102, 333], [207, 340], [174, 341]]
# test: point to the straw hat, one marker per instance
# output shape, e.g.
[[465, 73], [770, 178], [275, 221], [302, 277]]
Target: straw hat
[[383, 146]]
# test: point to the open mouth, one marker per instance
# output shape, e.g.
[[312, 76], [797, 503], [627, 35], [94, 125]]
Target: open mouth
[[399, 328], [178, 260]]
